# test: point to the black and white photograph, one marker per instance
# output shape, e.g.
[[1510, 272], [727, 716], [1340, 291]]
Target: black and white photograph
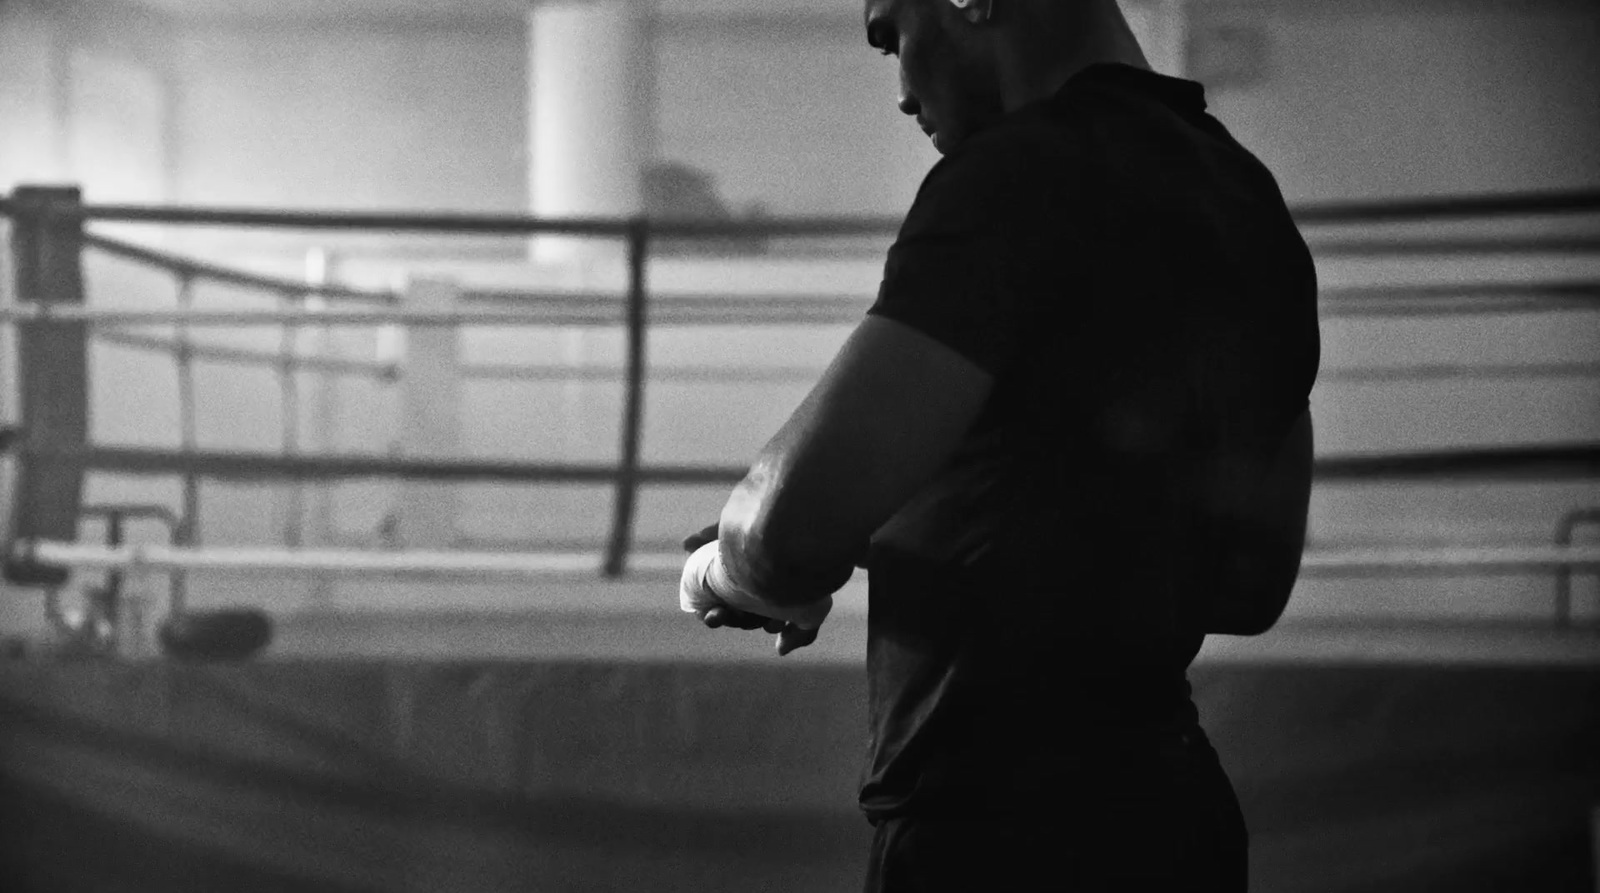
[[853, 446]]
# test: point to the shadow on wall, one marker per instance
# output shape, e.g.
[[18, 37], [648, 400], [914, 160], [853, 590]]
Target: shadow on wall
[[674, 191]]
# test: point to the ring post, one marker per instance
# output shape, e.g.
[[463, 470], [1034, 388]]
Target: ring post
[[53, 379], [1565, 534], [187, 532], [633, 403], [430, 423]]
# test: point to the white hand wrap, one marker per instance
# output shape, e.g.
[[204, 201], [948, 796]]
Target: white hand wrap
[[703, 578], [705, 584]]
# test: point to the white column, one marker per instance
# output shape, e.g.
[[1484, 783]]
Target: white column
[[588, 85], [1162, 29], [430, 420], [589, 77], [320, 401]]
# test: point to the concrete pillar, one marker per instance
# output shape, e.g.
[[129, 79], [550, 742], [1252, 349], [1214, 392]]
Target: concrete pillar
[[589, 71], [321, 400], [323, 409], [430, 418]]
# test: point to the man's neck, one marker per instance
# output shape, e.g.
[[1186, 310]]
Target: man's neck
[[1029, 72]]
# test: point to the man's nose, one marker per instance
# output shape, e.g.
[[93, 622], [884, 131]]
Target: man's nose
[[908, 101]]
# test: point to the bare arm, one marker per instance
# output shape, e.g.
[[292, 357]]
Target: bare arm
[[891, 409]]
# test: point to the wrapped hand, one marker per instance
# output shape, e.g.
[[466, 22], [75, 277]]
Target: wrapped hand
[[720, 604]]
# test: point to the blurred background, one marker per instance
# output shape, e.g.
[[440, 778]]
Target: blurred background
[[413, 104], [1451, 329]]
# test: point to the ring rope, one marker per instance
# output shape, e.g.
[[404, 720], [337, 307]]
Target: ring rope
[[347, 562], [1535, 462], [250, 357], [825, 311], [98, 316], [1338, 212], [1318, 563], [1450, 208], [508, 371], [1456, 372], [607, 310], [794, 374], [1581, 288], [1479, 559], [180, 266], [1535, 244], [278, 468]]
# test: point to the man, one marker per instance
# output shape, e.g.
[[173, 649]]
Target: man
[[1070, 438]]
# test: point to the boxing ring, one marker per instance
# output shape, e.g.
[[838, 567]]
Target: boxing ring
[[587, 737]]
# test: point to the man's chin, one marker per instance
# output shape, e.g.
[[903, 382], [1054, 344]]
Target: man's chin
[[945, 142]]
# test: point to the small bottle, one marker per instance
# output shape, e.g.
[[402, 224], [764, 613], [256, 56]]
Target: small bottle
[[135, 615]]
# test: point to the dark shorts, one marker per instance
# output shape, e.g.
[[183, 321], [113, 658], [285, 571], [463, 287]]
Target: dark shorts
[[1184, 833]]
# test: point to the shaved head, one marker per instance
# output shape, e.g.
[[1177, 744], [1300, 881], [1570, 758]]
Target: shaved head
[[962, 67]]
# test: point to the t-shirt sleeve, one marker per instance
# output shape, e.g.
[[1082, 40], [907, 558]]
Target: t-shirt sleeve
[[958, 271], [945, 286]]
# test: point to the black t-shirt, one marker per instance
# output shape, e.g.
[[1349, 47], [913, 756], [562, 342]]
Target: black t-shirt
[[1132, 278]]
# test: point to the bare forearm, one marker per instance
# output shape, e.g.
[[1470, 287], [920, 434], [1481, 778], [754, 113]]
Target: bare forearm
[[774, 568]]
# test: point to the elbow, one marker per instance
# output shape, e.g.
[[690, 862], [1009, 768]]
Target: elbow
[[1252, 621], [1252, 600], [1258, 578], [783, 564]]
